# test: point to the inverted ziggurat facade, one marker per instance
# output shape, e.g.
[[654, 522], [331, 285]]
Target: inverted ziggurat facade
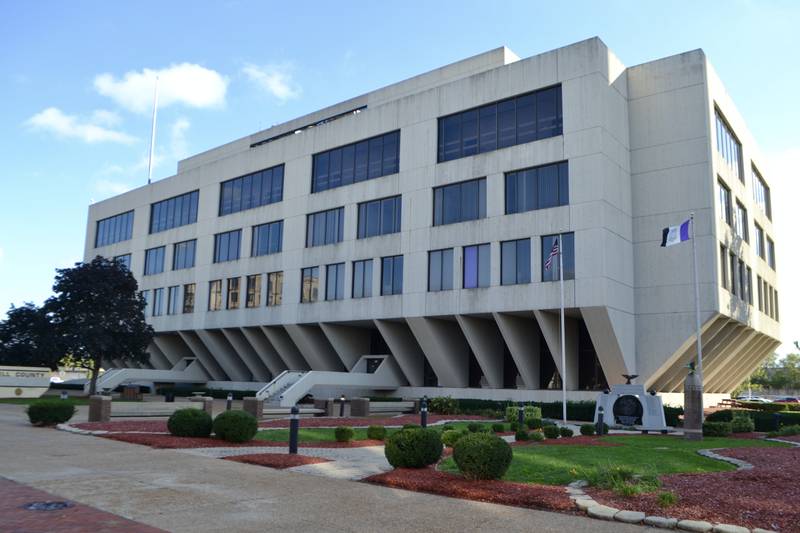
[[414, 222]]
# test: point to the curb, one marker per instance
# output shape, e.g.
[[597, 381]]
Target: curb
[[738, 463]]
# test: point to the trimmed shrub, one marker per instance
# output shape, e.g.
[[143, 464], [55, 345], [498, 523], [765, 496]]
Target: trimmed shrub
[[723, 415], [413, 448], [716, 429], [443, 405], [587, 429], [411, 426], [766, 407], [762, 420], [50, 412], [583, 411], [785, 431], [742, 424], [532, 411], [482, 456], [451, 436], [534, 423], [537, 436], [565, 431], [551, 432], [448, 427], [513, 426], [190, 422], [376, 432], [548, 423], [235, 426], [671, 415], [528, 412], [343, 433], [473, 427], [498, 428], [521, 435], [512, 413]]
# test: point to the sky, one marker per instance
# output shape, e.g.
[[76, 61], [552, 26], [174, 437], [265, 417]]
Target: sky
[[76, 90]]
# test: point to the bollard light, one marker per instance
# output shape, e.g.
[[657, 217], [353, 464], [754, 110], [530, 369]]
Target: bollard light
[[64, 395], [294, 428], [423, 412], [599, 428], [521, 417], [341, 407], [229, 403]]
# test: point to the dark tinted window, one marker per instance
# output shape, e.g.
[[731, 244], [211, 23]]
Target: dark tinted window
[[372, 158], [515, 262], [550, 270], [325, 227], [183, 254], [362, 278], [174, 212], [477, 269], [440, 270], [334, 282], [124, 260], [114, 229], [379, 217], [154, 261], [253, 190], [392, 275], [459, 202], [226, 246], [267, 238], [537, 188]]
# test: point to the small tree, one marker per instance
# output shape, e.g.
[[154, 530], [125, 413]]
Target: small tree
[[28, 338], [99, 313]]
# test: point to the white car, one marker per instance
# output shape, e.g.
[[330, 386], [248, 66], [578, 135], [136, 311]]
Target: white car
[[754, 399]]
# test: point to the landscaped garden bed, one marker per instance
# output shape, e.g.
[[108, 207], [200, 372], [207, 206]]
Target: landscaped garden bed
[[276, 460]]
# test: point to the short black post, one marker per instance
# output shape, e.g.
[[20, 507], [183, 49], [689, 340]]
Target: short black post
[[599, 428], [341, 407], [229, 403], [294, 427], [777, 421], [423, 412], [64, 395], [521, 417]]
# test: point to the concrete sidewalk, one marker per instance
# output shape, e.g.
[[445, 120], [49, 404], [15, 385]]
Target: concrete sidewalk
[[178, 491]]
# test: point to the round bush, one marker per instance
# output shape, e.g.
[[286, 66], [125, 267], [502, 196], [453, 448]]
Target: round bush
[[717, 429], [190, 422], [513, 426], [521, 435], [482, 456], [587, 429], [235, 426], [565, 432], [50, 412], [498, 428], [551, 432], [742, 424], [411, 426], [343, 433], [451, 436], [537, 436], [413, 448], [376, 432], [473, 427], [534, 423]]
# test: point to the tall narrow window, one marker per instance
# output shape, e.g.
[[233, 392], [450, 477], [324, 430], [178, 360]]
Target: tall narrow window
[[334, 281], [325, 227], [761, 193], [267, 238], [124, 260], [183, 254], [459, 202], [725, 205], [440, 270], [226, 246], [760, 247], [233, 293], [174, 212], [750, 285], [379, 217], [723, 266], [173, 299], [154, 261], [252, 190], [392, 275], [188, 298], [309, 285], [146, 295], [253, 291], [158, 302], [274, 288], [741, 222], [734, 280], [742, 280], [215, 295], [760, 288], [771, 253], [729, 147], [477, 270], [566, 246], [362, 278], [515, 262]]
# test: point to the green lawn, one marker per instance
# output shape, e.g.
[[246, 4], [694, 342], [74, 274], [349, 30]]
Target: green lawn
[[327, 434], [561, 464]]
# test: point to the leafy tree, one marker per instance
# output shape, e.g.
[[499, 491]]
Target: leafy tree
[[99, 313], [28, 338]]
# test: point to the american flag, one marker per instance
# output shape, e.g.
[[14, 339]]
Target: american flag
[[553, 253]]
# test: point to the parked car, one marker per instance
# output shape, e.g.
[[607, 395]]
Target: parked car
[[755, 399], [788, 399]]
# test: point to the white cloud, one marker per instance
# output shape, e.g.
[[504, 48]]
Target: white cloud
[[186, 83], [784, 179], [179, 145], [91, 130], [275, 79], [103, 117]]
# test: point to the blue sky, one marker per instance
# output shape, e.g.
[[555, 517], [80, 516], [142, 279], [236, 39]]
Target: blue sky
[[74, 96]]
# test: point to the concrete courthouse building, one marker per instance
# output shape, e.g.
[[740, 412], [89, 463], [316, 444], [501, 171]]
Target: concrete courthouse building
[[412, 223]]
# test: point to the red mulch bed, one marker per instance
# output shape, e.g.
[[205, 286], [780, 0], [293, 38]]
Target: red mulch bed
[[793, 438], [764, 497], [149, 426], [428, 480], [156, 440], [276, 460]]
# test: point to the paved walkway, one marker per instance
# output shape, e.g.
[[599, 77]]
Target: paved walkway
[[178, 491]]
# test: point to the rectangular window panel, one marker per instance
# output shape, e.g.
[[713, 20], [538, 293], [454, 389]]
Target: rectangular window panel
[[771, 253], [515, 262], [173, 299], [566, 246], [274, 288], [729, 146], [146, 296], [215, 295], [732, 268], [392, 275], [379, 217], [154, 261], [158, 302], [183, 254], [334, 282], [372, 158], [517, 120], [226, 246], [267, 238], [459, 202], [325, 227], [188, 298], [362, 278], [760, 293], [309, 285], [477, 272], [759, 244], [124, 260], [537, 188], [233, 293], [252, 190], [761, 193], [114, 229], [723, 268], [253, 291], [174, 212], [741, 222], [725, 204], [440, 270]]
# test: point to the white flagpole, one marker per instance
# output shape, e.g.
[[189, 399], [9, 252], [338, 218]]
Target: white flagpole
[[153, 135], [563, 340], [699, 369]]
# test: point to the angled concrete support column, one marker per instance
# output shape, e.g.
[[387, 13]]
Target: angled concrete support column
[[173, 348], [487, 344], [203, 355], [315, 347], [157, 357], [224, 354], [711, 349], [283, 344], [522, 338], [268, 354], [350, 342], [257, 368], [751, 352], [740, 373], [550, 324], [404, 348], [736, 348], [613, 336], [445, 348]]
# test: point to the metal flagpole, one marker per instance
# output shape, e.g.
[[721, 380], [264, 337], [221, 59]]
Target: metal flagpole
[[153, 135], [699, 369], [563, 341]]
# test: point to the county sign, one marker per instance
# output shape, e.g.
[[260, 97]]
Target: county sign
[[23, 381]]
